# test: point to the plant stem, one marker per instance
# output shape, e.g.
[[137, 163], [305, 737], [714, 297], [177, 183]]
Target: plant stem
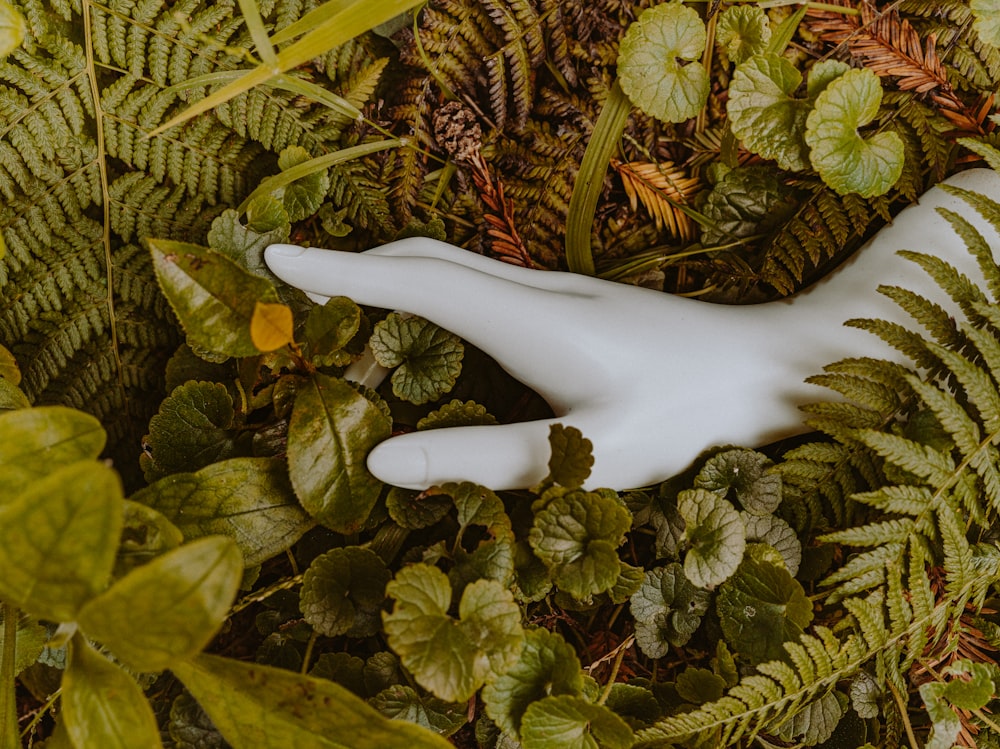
[[622, 649], [8, 701]]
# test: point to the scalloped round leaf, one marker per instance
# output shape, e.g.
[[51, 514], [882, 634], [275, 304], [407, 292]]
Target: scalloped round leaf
[[403, 703], [267, 224], [987, 20], [715, 534], [764, 115], [775, 532], [271, 326], [270, 708], [747, 200], [332, 430], [303, 197], [12, 32], [865, 695], [343, 592], [845, 160], [762, 606], [742, 32], [576, 537], [58, 540], [428, 359], [699, 685], [344, 669], [822, 74], [571, 458], [971, 685], [146, 535], [192, 429], [168, 609], [628, 582], [637, 705], [816, 722], [477, 505], [248, 499], [658, 62], [570, 722], [667, 609], [744, 473], [452, 659], [457, 414], [213, 297], [413, 509], [8, 367], [329, 327], [102, 705], [548, 665], [36, 441]]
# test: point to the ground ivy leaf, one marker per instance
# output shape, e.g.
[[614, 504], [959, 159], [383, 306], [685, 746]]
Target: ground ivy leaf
[[213, 297], [343, 592], [699, 685], [532, 581], [492, 559], [414, 509], [58, 540], [567, 722], [403, 703], [971, 684], [11, 396], [762, 606], [29, 642], [168, 609], [548, 665], [457, 414], [576, 536], [651, 62], [192, 429], [267, 224], [816, 722], [763, 113], [946, 723], [36, 441], [270, 708], [8, 367], [775, 532], [743, 31], [145, 535], [629, 581], [667, 609], [715, 534], [746, 474], [572, 456], [344, 669], [329, 327], [477, 505], [303, 197], [637, 705], [332, 430], [451, 658], [190, 727], [248, 499], [865, 695], [102, 705], [822, 74], [987, 20], [747, 200], [271, 326], [845, 160], [428, 359]]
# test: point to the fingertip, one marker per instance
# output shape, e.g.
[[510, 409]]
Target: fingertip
[[401, 463]]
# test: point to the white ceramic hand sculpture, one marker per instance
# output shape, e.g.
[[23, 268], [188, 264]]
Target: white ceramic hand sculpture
[[651, 379]]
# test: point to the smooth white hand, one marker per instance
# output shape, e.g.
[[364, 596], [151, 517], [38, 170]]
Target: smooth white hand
[[651, 379]]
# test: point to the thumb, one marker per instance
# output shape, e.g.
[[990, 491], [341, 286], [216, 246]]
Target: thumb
[[509, 456]]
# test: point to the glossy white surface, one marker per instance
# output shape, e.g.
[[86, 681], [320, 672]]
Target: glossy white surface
[[651, 379]]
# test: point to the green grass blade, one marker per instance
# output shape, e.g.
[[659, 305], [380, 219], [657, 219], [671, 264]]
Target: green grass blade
[[311, 20], [255, 25], [590, 179]]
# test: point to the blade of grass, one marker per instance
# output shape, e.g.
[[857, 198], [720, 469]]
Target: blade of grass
[[310, 20], [349, 22], [590, 179], [783, 33], [282, 179], [255, 25]]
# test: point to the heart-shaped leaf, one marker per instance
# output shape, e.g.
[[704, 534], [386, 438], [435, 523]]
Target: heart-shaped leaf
[[715, 535]]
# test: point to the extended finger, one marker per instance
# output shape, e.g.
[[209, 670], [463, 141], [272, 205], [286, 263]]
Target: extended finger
[[509, 456], [532, 332]]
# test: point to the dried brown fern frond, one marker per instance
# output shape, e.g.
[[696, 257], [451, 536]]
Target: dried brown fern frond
[[662, 188], [504, 241], [889, 46]]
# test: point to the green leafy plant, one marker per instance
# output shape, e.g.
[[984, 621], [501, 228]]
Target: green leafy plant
[[838, 592]]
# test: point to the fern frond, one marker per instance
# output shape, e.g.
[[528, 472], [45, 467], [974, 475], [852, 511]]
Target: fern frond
[[662, 189]]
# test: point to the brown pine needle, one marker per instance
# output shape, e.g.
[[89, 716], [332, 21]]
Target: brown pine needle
[[662, 189]]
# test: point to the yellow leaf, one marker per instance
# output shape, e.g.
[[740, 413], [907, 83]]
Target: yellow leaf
[[271, 326], [12, 29]]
